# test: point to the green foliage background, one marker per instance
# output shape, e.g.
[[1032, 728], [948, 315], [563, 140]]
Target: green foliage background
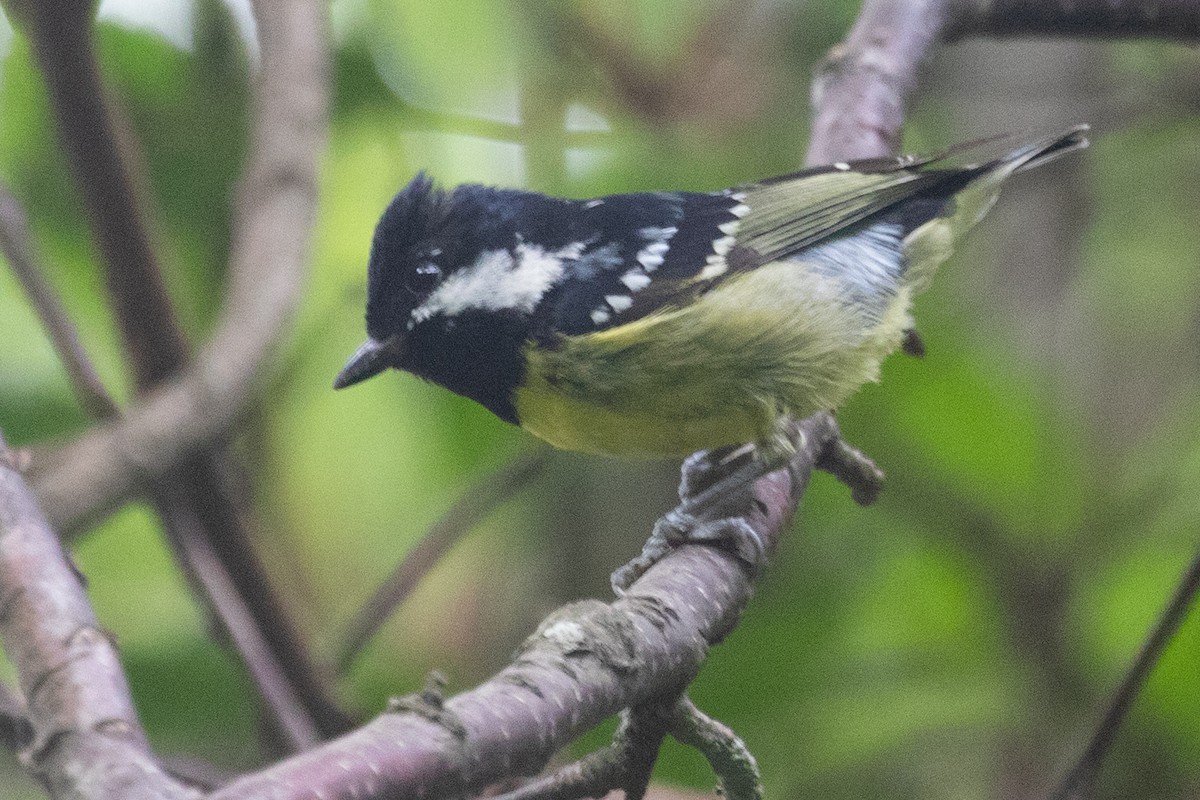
[[954, 641]]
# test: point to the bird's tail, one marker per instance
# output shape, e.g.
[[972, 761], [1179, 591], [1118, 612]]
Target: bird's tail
[[930, 244], [1044, 150]]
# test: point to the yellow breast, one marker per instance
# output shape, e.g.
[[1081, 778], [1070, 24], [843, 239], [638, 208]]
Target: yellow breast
[[780, 340]]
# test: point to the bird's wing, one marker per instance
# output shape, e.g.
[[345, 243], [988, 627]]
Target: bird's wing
[[646, 253], [649, 252]]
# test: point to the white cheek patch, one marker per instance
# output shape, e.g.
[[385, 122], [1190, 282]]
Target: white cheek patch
[[498, 281]]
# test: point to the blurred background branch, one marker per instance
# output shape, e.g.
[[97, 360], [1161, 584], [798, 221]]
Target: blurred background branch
[[18, 250], [193, 493]]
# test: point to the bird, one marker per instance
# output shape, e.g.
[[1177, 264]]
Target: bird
[[655, 324]]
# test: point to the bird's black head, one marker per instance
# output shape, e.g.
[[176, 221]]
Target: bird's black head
[[452, 282], [410, 255]]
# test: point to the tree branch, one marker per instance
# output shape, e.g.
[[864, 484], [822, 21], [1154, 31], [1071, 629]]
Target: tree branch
[[87, 741], [1177, 20], [61, 34], [586, 662], [860, 88], [16, 244], [276, 205]]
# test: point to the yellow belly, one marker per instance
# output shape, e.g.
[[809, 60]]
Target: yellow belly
[[780, 340]]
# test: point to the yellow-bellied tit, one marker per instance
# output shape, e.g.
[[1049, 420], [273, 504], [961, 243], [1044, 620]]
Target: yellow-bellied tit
[[661, 323], [657, 324]]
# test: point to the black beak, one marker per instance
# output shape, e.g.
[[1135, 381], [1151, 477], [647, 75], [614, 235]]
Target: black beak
[[369, 360]]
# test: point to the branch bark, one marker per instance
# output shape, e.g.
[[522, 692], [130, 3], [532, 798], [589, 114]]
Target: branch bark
[[860, 88], [87, 740], [586, 662]]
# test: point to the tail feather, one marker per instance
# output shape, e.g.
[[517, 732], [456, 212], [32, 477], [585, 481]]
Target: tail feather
[[929, 244], [1044, 150]]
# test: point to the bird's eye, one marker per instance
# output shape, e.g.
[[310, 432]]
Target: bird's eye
[[425, 278]]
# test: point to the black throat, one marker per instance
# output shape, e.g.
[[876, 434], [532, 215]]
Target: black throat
[[474, 353]]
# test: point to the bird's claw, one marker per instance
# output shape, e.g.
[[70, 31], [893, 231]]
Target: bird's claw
[[676, 527]]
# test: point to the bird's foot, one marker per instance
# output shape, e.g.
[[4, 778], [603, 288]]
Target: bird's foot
[[677, 527], [715, 492]]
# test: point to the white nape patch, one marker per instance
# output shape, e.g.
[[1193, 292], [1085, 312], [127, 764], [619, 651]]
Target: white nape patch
[[841, 166], [619, 302], [593, 203], [601, 316], [635, 280], [498, 281], [740, 210]]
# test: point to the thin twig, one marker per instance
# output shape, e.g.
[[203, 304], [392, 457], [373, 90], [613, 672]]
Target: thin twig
[[475, 504], [276, 648], [724, 750], [286, 709], [17, 246], [1078, 782], [625, 763]]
